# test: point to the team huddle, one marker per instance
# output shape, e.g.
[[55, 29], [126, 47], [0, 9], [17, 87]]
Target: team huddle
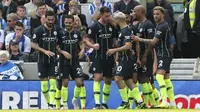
[[133, 52]]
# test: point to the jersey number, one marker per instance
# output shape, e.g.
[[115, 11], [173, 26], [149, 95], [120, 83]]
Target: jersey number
[[78, 71], [119, 68], [56, 69], [135, 66], [160, 63]]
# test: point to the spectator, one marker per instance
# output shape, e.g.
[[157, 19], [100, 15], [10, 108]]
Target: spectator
[[9, 6], [42, 20], [95, 6], [21, 12], [12, 18], [78, 25], [60, 9], [30, 7], [125, 5], [181, 35], [192, 25], [8, 70], [15, 53], [169, 13], [128, 17], [3, 23], [74, 9], [35, 18], [1, 38], [20, 2], [23, 40], [55, 5]]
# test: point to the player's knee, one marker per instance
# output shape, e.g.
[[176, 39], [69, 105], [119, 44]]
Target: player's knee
[[97, 77], [65, 83], [118, 79], [78, 84], [108, 81]]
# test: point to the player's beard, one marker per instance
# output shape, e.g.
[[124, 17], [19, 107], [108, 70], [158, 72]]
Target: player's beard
[[69, 28], [49, 25]]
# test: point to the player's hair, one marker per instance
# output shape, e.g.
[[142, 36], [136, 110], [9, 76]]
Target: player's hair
[[21, 7], [68, 17], [119, 16], [161, 9], [104, 9], [20, 24], [4, 52], [50, 13]]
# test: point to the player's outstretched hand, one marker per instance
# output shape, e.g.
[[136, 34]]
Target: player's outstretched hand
[[138, 63], [143, 61], [96, 46], [67, 55], [135, 38], [49, 53], [110, 52]]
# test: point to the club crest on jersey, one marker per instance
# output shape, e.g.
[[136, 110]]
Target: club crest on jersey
[[34, 36], [75, 35], [94, 69], [55, 33], [120, 34], [89, 31], [140, 29], [39, 74], [61, 74], [110, 29]]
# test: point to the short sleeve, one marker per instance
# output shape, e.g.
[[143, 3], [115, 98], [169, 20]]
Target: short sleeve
[[36, 35], [80, 38], [127, 36], [160, 31], [150, 31], [61, 34], [91, 32]]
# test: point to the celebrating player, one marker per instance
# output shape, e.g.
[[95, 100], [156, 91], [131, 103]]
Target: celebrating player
[[164, 56], [44, 40]]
